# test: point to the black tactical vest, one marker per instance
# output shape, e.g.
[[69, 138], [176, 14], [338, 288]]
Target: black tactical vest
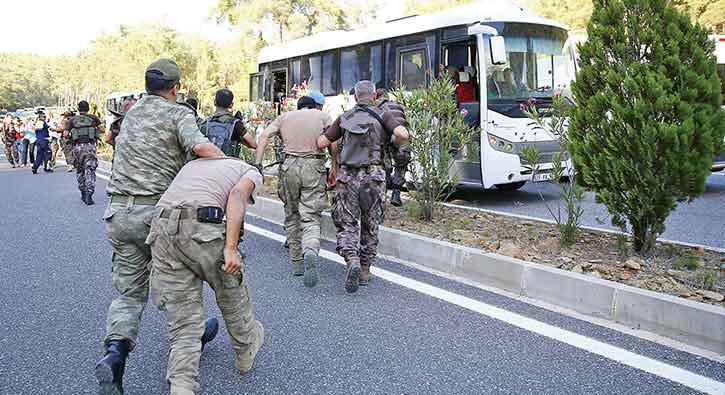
[[364, 140], [83, 128]]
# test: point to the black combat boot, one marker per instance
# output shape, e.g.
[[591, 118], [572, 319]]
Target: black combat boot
[[89, 199], [83, 196], [395, 198], [211, 328], [352, 280], [364, 275], [312, 276], [109, 370]]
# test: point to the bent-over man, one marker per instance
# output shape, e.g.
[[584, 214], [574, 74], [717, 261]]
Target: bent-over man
[[191, 244]]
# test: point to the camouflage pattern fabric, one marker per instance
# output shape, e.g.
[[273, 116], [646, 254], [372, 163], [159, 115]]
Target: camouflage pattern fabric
[[358, 210], [176, 288], [400, 160], [86, 162], [67, 147], [54, 148], [156, 140], [304, 187], [11, 151], [127, 229]]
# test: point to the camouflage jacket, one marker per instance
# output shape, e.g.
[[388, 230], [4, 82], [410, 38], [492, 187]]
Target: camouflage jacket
[[156, 140]]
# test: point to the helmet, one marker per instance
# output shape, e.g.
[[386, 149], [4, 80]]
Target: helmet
[[318, 97]]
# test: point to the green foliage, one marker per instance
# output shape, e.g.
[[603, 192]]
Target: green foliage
[[648, 120], [438, 134], [571, 194], [709, 279], [622, 246], [689, 262]]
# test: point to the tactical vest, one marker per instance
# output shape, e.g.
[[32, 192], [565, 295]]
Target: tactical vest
[[364, 140], [83, 129]]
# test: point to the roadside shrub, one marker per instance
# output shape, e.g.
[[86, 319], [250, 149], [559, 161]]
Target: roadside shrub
[[648, 121], [438, 134]]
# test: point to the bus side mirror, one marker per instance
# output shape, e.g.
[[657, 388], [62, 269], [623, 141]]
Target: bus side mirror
[[498, 50]]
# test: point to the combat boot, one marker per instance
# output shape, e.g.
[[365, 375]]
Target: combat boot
[[89, 199], [83, 196], [211, 328], [395, 198], [352, 279], [109, 370], [312, 276], [245, 359], [364, 275], [298, 268]]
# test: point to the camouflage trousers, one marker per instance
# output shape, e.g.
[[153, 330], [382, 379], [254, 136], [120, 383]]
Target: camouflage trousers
[[127, 227], [86, 162], [398, 166], [187, 253], [67, 147], [54, 148], [305, 197], [358, 210], [11, 151]]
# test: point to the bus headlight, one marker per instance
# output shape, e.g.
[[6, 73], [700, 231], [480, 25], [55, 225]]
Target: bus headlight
[[500, 144]]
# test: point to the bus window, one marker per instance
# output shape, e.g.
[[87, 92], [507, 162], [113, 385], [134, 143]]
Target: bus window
[[361, 63], [255, 85], [295, 68], [312, 72], [329, 74], [412, 69]]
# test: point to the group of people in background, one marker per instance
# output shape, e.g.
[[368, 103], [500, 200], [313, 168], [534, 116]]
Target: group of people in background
[[28, 142]]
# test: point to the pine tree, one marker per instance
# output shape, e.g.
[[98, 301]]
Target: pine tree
[[648, 120]]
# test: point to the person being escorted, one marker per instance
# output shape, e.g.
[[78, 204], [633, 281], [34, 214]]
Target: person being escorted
[[42, 144], [398, 157], [302, 178], [359, 179], [9, 137], [223, 128], [193, 103], [156, 139], [66, 142], [84, 130], [191, 244]]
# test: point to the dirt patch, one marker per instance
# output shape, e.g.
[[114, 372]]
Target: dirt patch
[[691, 273]]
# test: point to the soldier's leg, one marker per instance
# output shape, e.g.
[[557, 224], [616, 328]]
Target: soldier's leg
[[346, 214], [91, 164], [80, 166], [313, 199], [53, 151], [9, 155], [177, 291], [291, 185], [371, 217], [15, 154], [127, 229], [232, 296]]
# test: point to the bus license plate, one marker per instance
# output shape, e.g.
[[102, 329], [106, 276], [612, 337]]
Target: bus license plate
[[541, 177]]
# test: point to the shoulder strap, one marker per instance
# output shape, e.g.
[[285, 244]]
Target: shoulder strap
[[373, 114]]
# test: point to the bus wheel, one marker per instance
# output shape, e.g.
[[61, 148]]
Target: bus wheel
[[514, 186]]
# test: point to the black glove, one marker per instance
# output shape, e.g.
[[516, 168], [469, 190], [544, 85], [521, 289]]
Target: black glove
[[238, 115]]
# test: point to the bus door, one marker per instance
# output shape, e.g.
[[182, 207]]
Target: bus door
[[460, 60]]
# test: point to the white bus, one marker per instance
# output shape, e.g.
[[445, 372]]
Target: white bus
[[538, 61]]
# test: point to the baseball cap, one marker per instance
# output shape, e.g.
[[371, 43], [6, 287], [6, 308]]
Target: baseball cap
[[318, 97], [166, 68]]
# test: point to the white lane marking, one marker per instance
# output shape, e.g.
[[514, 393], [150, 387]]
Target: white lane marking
[[649, 365]]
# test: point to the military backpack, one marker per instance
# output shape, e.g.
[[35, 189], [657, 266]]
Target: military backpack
[[220, 133], [83, 129], [364, 142]]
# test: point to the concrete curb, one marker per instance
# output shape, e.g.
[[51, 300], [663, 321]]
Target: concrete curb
[[696, 324]]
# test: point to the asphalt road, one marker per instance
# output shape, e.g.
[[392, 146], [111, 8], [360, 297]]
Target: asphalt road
[[698, 222], [391, 338]]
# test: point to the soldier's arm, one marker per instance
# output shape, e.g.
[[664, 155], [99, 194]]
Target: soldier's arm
[[235, 212], [330, 135], [396, 125], [207, 150], [272, 130]]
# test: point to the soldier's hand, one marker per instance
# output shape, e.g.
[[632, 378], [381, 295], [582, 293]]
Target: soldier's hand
[[232, 263]]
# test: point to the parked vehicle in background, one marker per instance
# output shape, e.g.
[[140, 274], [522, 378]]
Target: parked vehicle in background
[[500, 56]]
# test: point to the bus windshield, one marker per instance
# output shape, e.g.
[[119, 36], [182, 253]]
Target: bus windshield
[[539, 65]]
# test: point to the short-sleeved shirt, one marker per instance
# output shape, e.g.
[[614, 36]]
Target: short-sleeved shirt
[[299, 130], [207, 182], [225, 116], [157, 138], [390, 122]]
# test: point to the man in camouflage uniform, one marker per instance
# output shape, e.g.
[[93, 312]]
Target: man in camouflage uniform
[[84, 131], [191, 244], [66, 142], [398, 158], [157, 138], [359, 177], [302, 176], [223, 128], [7, 133]]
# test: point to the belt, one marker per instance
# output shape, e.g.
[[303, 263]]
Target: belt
[[317, 156], [136, 200], [368, 168], [210, 215]]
